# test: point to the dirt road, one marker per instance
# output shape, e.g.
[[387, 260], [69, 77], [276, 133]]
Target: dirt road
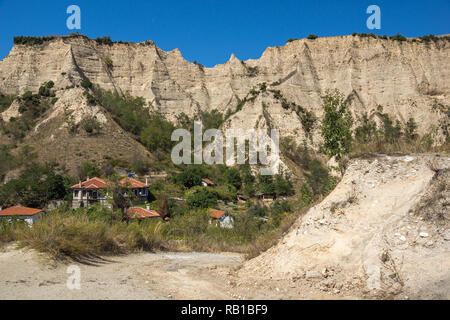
[[26, 274]]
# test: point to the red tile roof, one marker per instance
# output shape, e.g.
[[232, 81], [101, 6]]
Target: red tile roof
[[19, 211], [207, 181], [94, 183], [141, 213], [97, 183], [133, 182], [216, 214]]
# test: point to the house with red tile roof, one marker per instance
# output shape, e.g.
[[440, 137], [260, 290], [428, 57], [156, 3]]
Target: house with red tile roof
[[29, 215], [207, 183], [219, 218], [215, 214], [141, 213], [92, 191]]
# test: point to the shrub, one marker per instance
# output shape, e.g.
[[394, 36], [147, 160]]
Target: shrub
[[109, 63], [188, 178], [88, 169], [211, 119], [151, 129], [91, 125], [258, 210], [252, 71], [282, 186], [390, 132], [336, 125], [410, 129], [6, 101], [31, 40], [31, 107], [202, 199], [312, 37], [306, 196], [398, 37], [104, 40], [86, 83], [157, 133], [233, 177], [319, 178], [35, 187]]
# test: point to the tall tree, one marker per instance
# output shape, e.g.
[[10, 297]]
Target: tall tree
[[336, 125]]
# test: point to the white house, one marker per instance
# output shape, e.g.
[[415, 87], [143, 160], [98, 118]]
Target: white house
[[29, 215]]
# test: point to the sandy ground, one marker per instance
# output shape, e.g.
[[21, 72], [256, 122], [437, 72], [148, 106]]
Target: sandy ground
[[26, 274], [367, 238]]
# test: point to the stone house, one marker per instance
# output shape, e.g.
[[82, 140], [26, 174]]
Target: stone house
[[92, 191]]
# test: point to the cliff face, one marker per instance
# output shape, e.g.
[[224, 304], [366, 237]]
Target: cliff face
[[409, 79]]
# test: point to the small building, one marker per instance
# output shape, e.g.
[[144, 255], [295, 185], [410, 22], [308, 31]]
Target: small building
[[268, 197], [92, 191], [215, 214], [207, 183], [219, 218], [139, 188], [29, 215], [141, 213], [241, 197]]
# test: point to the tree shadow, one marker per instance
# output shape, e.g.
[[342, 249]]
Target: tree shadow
[[92, 260]]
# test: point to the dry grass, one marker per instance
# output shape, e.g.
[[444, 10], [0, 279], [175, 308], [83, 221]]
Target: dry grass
[[421, 145], [83, 234], [76, 235]]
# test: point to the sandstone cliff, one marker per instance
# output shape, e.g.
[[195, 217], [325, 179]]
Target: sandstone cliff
[[408, 78]]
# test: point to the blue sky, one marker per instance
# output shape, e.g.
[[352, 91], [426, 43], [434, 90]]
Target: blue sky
[[209, 31]]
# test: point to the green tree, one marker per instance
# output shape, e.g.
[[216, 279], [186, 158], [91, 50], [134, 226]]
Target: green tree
[[35, 187], [391, 133], [202, 199], [410, 129], [282, 186], [212, 119], [189, 177], [157, 134], [265, 184], [122, 196], [88, 169], [233, 177], [318, 177], [336, 125], [366, 131]]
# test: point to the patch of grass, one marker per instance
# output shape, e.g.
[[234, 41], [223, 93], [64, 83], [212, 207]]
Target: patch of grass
[[78, 234]]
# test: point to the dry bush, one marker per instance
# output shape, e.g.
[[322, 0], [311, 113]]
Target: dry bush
[[435, 205], [434, 164]]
